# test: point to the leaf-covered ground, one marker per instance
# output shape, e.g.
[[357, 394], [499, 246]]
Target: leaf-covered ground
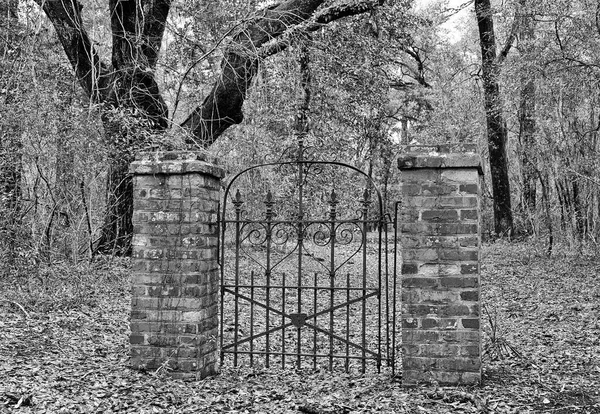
[[64, 349]]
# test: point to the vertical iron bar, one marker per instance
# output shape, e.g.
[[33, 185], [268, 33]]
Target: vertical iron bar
[[315, 312], [300, 241], [387, 290], [379, 293], [283, 321], [238, 212], [332, 215], [394, 287], [347, 321], [252, 318], [269, 216], [222, 354], [364, 277]]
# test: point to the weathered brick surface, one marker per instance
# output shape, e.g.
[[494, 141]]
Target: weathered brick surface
[[440, 269], [175, 272]]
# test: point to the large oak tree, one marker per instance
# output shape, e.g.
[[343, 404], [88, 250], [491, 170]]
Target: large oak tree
[[127, 90]]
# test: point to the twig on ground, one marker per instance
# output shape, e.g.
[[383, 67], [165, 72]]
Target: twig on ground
[[17, 305]]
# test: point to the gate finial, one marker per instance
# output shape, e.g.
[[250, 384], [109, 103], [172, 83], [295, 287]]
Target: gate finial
[[237, 201]]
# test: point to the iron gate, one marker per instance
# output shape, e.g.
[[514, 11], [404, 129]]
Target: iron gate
[[307, 268]]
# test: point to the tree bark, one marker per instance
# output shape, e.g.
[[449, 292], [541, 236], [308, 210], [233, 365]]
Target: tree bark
[[496, 127]]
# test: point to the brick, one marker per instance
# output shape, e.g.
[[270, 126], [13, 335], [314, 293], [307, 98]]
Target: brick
[[136, 339], [410, 323], [438, 297], [439, 215], [411, 189], [419, 309], [470, 295], [470, 323], [419, 282], [457, 228], [420, 336], [469, 188], [473, 351], [469, 269], [421, 255], [459, 364], [469, 241], [458, 255], [408, 216], [429, 269], [410, 350], [420, 176], [449, 270], [454, 310], [463, 337], [440, 323], [460, 282], [409, 269], [439, 350], [469, 214], [460, 175], [439, 189]]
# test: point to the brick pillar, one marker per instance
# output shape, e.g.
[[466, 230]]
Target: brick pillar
[[175, 272], [440, 270]]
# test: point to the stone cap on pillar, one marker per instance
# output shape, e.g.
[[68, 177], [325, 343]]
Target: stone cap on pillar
[[175, 162], [440, 156]]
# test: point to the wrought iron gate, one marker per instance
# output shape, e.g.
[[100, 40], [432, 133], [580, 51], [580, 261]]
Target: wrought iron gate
[[307, 268]]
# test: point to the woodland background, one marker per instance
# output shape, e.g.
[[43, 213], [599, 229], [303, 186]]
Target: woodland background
[[521, 79], [362, 80], [523, 85]]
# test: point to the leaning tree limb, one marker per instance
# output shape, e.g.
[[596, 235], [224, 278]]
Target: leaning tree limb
[[269, 33]]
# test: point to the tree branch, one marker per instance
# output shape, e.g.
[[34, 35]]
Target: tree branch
[[92, 73], [258, 39], [321, 18], [512, 36]]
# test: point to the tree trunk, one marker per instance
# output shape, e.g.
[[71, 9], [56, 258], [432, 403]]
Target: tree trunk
[[134, 93], [117, 229], [496, 127]]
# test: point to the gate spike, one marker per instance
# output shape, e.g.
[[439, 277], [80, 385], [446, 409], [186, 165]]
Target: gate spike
[[237, 201], [366, 194], [333, 197]]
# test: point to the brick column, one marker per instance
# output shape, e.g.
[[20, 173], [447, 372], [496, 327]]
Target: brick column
[[440, 270], [175, 272]]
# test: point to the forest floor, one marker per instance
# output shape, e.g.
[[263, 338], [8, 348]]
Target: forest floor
[[64, 349]]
